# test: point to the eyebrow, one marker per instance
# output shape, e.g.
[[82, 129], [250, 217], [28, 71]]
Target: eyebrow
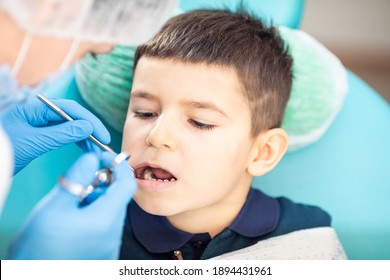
[[187, 103], [144, 95], [203, 105]]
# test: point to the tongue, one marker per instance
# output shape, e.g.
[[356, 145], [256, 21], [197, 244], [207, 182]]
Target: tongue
[[161, 174]]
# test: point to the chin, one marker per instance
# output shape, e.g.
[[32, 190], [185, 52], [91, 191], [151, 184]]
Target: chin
[[156, 206]]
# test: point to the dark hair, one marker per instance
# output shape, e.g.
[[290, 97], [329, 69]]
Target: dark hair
[[237, 40]]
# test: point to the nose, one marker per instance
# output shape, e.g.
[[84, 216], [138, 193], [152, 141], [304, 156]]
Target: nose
[[161, 134]]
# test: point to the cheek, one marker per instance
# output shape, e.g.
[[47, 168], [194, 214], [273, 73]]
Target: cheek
[[126, 137], [132, 147], [132, 136], [212, 176], [218, 161]]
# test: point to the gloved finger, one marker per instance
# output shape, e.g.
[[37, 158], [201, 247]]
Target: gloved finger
[[118, 194], [99, 190], [37, 113], [124, 186], [107, 158], [78, 112], [79, 176], [40, 115], [83, 170], [58, 135], [88, 146]]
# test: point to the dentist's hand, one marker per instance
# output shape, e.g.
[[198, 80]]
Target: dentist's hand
[[35, 129], [59, 229]]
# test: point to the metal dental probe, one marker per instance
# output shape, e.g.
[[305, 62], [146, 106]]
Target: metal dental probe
[[60, 112]]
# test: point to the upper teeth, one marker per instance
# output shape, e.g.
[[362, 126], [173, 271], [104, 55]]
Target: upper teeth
[[148, 175]]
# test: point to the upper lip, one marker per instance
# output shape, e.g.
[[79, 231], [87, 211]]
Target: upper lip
[[139, 168]]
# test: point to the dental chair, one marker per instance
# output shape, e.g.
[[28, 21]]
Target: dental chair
[[344, 172]]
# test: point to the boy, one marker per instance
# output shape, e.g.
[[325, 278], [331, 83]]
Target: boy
[[207, 101]]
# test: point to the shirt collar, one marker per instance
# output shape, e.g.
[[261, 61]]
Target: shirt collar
[[156, 233], [258, 216]]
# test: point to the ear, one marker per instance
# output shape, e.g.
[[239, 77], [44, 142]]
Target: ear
[[268, 148]]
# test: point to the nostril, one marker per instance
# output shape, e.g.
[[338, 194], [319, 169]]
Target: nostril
[[161, 135], [148, 142]]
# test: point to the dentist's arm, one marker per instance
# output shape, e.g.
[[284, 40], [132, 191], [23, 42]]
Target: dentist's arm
[[35, 129], [59, 229]]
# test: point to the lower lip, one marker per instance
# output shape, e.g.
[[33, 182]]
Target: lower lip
[[154, 185]]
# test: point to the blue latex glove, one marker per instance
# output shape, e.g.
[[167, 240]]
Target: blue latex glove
[[59, 229], [35, 129]]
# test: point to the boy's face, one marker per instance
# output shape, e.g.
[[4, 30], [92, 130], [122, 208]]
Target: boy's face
[[188, 133]]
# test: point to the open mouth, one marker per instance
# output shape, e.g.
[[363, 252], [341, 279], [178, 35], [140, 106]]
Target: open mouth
[[154, 174]]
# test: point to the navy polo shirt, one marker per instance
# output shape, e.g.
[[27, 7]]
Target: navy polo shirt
[[148, 236]]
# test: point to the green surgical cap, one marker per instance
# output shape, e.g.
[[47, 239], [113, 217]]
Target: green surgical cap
[[105, 83], [318, 90]]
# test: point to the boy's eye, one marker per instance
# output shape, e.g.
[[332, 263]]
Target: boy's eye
[[201, 125], [144, 115]]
